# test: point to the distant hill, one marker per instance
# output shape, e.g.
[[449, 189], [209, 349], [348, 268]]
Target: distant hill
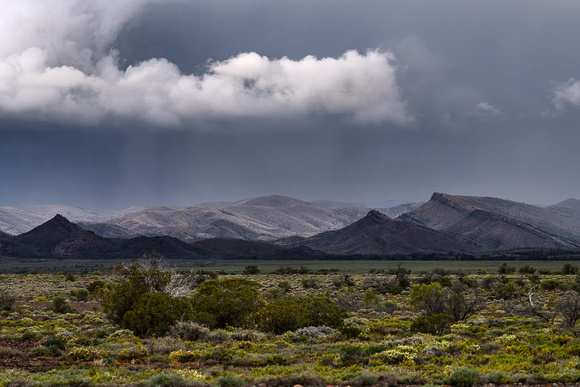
[[264, 218], [378, 234], [17, 220], [572, 204], [372, 205], [497, 223], [3, 235], [393, 212], [57, 238]]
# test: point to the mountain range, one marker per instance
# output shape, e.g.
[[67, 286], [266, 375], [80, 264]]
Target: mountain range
[[498, 224], [283, 227], [261, 218], [375, 234]]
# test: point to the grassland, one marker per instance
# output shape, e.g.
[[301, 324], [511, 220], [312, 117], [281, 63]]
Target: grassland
[[504, 341], [31, 266]]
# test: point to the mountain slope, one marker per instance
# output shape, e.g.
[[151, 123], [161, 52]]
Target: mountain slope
[[3, 235], [263, 218], [496, 232], [168, 247], [237, 248], [395, 211], [571, 204], [378, 234], [18, 220], [498, 223], [57, 237], [371, 205]]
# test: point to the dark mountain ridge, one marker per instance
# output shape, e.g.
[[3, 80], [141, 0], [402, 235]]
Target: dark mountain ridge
[[59, 238], [498, 224], [377, 234]]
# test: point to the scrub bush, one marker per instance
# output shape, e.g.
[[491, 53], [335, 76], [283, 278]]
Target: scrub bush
[[155, 313], [219, 303]]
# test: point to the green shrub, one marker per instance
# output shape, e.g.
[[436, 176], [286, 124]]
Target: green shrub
[[321, 311], [309, 283], [39, 351], [508, 291], [30, 335], [155, 313], [280, 316], [251, 269], [498, 378], [550, 284], [7, 299], [435, 324], [430, 299], [71, 277], [230, 381], [118, 297], [60, 304], [364, 380], [183, 356], [288, 315], [167, 380], [569, 269], [95, 286], [189, 331], [79, 294], [84, 354], [133, 353], [351, 331], [527, 269], [54, 345], [506, 269], [219, 303], [463, 377], [56, 342]]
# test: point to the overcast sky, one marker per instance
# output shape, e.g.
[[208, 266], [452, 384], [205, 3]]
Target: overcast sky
[[114, 103]]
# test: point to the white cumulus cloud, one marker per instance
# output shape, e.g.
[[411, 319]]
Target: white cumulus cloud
[[57, 63], [567, 93]]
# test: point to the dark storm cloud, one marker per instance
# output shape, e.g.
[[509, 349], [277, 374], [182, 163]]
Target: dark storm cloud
[[489, 106], [61, 64]]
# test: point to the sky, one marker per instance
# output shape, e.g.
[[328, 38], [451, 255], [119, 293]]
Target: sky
[[109, 104]]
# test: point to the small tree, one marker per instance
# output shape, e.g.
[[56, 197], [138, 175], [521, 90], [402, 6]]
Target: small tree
[[429, 299], [7, 299], [131, 282], [569, 306], [569, 269], [460, 305], [251, 269], [455, 301], [506, 269]]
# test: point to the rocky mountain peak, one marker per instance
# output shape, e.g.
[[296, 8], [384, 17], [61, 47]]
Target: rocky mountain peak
[[377, 216]]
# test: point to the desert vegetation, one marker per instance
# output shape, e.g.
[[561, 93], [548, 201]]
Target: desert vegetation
[[143, 324]]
